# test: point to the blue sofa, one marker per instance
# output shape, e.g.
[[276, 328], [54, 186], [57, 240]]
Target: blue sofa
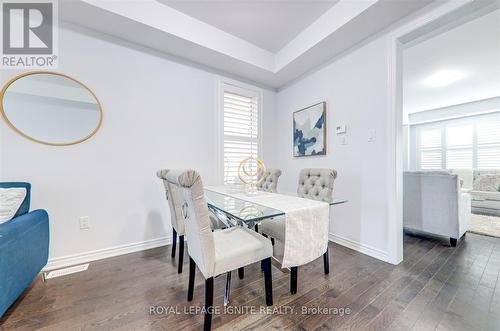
[[24, 249]]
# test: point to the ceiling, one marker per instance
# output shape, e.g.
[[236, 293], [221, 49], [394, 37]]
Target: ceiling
[[268, 24], [269, 42], [468, 53]]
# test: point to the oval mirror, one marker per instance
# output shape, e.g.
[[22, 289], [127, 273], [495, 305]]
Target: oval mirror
[[51, 108]]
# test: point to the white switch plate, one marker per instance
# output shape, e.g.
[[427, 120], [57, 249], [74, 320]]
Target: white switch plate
[[340, 129], [84, 222], [372, 135]]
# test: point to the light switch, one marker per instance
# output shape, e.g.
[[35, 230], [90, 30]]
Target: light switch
[[372, 135], [84, 222], [341, 129]]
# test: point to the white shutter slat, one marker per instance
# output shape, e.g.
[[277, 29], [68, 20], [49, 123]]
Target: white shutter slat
[[488, 145], [430, 149], [241, 131], [459, 141]]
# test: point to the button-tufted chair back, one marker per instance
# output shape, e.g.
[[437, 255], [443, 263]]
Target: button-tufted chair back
[[270, 181], [195, 213], [174, 202], [316, 184]]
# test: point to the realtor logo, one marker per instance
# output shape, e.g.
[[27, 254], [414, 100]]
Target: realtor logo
[[29, 34]]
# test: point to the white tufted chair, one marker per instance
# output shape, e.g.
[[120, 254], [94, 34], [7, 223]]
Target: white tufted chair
[[270, 181], [315, 184], [218, 252], [175, 202]]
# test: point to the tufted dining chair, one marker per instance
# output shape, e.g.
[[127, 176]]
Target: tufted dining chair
[[174, 202], [270, 181], [314, 184], [216, 252]]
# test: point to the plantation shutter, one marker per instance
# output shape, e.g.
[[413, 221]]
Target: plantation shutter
[[488, 144], [459, 141], [241, 130], [430, 149]]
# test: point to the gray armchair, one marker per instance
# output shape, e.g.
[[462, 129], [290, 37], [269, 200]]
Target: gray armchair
[[270, 181]]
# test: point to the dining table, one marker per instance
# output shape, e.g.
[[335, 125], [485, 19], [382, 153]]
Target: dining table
[[244, 212], [235, 206]]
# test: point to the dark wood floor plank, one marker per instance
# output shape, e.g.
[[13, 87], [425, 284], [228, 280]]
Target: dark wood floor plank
[[435, 288]]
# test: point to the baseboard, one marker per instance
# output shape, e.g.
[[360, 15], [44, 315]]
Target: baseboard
[[70, 260], [357, 246]]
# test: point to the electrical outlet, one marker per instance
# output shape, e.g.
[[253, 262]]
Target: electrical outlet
[[84, 222]]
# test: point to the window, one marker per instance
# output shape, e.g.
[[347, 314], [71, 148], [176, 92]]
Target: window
[[467, 143], [488, 145], [459, 147], [241, 128], [430, 149]]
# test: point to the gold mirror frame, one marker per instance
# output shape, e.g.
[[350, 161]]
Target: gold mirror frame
[[10, 82]]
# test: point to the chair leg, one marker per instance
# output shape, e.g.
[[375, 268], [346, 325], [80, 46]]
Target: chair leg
[[453, 242], [256, 227], [272, 241], [326, 262], [192, 273], [181, 254], [174, 242], [293, 279], [268, 281], [209, 302], [241, 272], [227, 289]]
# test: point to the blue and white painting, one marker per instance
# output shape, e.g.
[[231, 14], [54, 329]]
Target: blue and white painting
[[309, 131]]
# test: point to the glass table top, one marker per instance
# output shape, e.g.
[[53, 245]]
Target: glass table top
[[239, 209], [245, 211]]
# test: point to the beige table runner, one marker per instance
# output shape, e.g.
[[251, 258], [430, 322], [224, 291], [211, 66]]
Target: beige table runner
[[306, 223]]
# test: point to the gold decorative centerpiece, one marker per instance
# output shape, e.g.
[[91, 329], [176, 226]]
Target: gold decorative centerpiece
[[251, 172]]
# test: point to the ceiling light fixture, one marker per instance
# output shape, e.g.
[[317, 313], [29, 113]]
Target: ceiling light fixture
[[443, 78]]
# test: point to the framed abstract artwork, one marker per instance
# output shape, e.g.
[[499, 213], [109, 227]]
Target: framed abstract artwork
[[309, 131]]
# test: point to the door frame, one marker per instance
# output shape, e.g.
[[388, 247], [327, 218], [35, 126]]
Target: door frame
[[395, 141]]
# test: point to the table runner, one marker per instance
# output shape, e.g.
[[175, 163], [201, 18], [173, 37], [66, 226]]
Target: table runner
[[306, 223]]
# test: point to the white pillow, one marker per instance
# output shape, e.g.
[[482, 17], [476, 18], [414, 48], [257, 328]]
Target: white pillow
[[10, 201]]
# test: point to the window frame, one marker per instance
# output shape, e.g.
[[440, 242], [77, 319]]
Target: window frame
[[225, 84]]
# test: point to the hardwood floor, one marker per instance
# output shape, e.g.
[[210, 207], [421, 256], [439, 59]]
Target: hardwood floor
[[436, 288]]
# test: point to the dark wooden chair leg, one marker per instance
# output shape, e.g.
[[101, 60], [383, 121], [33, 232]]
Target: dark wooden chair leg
[[241, 272], [209, 302], [192, 273], [262, 262], [174, 242], [272, 241], [453, 242], [268, 281], [256, 227], [181, 254], [326, 262], [293, 279]]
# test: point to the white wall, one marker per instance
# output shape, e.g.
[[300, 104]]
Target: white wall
[[355, 90], [157, 114]]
